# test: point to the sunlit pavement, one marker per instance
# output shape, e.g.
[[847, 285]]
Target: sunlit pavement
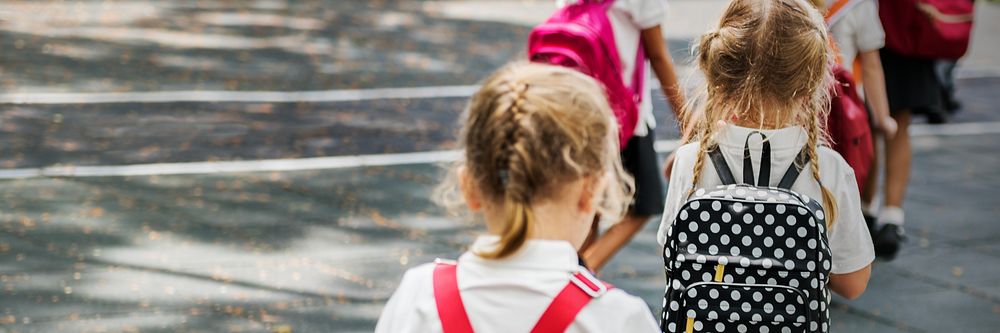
[[320, 251]]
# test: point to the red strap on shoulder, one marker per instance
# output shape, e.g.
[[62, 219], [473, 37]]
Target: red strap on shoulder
[[834, 9], [450, 309], [568, 303]]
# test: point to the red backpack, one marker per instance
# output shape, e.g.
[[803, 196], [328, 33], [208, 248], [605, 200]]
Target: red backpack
[[929, 29], [561, 313], [847, 124], [580, 36]]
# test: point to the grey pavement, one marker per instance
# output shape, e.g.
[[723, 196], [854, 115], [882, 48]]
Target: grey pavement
[[322, 250]]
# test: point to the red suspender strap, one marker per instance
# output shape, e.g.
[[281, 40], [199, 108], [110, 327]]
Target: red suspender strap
[[834, 9], [450, 309], [556, 318], [568, 303]]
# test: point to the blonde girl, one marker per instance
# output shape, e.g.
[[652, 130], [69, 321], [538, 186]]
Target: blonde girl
[[540, 161], [766, 69]]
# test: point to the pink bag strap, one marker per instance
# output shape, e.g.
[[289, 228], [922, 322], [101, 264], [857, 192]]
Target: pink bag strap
[[639, 72], [556, 318]]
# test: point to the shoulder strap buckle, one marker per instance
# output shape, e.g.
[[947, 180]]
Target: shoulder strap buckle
[[589, 284], [445, 261]]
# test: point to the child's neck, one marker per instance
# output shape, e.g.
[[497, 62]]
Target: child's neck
[[552, 221], [767, 124], [775, 118]]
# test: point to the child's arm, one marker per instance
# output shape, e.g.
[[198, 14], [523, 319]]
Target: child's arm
[[851, 285], [663, 66], [874, 86], [850, 242]]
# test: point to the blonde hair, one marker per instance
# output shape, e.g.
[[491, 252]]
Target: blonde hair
[[819, 4], [767, 59], [530, 129]]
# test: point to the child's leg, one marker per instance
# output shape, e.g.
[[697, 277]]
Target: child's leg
[[639, 159], [614, 239], [897, 169], [897, 175], [870, 188]]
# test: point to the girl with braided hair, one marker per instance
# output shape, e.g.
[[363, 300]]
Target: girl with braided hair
[[540, 162], [766, 70]]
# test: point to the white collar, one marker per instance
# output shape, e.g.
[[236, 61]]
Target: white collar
[[535, 254], [792, 137]]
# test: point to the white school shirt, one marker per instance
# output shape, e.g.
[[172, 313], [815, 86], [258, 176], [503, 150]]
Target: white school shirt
[[509, 295], [857, 29], [628, 19], [850, 242]]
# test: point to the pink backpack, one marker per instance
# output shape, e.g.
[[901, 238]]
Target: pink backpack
[[580, 36]]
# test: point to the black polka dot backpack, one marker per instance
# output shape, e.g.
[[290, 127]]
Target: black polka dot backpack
[[748, 257]]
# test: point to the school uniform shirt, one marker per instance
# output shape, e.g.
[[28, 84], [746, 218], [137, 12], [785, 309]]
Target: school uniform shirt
[[509, 295], [850, 242], [628, 19], [855, 29]]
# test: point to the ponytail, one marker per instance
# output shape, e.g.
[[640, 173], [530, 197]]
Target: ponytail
[[517, 229]]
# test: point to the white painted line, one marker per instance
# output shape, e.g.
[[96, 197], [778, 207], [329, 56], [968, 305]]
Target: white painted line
[[955, 129], [238, 96], [317, 96], [197, 96], [357, 161], [315, 163]]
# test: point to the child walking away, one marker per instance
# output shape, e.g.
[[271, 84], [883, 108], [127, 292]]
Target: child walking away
[[611, 41], [761, 219], [540, 162], [857, 34], [917, 32]]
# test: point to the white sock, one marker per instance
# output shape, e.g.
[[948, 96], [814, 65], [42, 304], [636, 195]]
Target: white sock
[[869, 209], [891, 215]]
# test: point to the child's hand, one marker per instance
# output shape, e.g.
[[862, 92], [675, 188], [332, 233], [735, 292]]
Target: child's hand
[[887, 126]]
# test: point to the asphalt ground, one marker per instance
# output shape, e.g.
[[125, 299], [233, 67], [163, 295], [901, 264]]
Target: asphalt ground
[[140, 133], [321, 250]]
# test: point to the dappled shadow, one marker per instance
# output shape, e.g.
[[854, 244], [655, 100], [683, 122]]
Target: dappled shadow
[[112, 134], [300, 45], [279, 45], [249, 252]]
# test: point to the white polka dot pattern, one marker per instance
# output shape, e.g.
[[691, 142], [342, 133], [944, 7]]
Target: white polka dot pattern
[[774, 251]]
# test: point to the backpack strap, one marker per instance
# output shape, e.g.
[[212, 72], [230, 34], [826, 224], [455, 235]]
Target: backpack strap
[[765, 161], [639, 72], [450, 309], [833, 13], [582, 288], [721, 167], [795, 169]]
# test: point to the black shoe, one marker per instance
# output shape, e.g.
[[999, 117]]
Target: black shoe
[[937, 117], [872, 222], [888, 241], [952, 106]]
